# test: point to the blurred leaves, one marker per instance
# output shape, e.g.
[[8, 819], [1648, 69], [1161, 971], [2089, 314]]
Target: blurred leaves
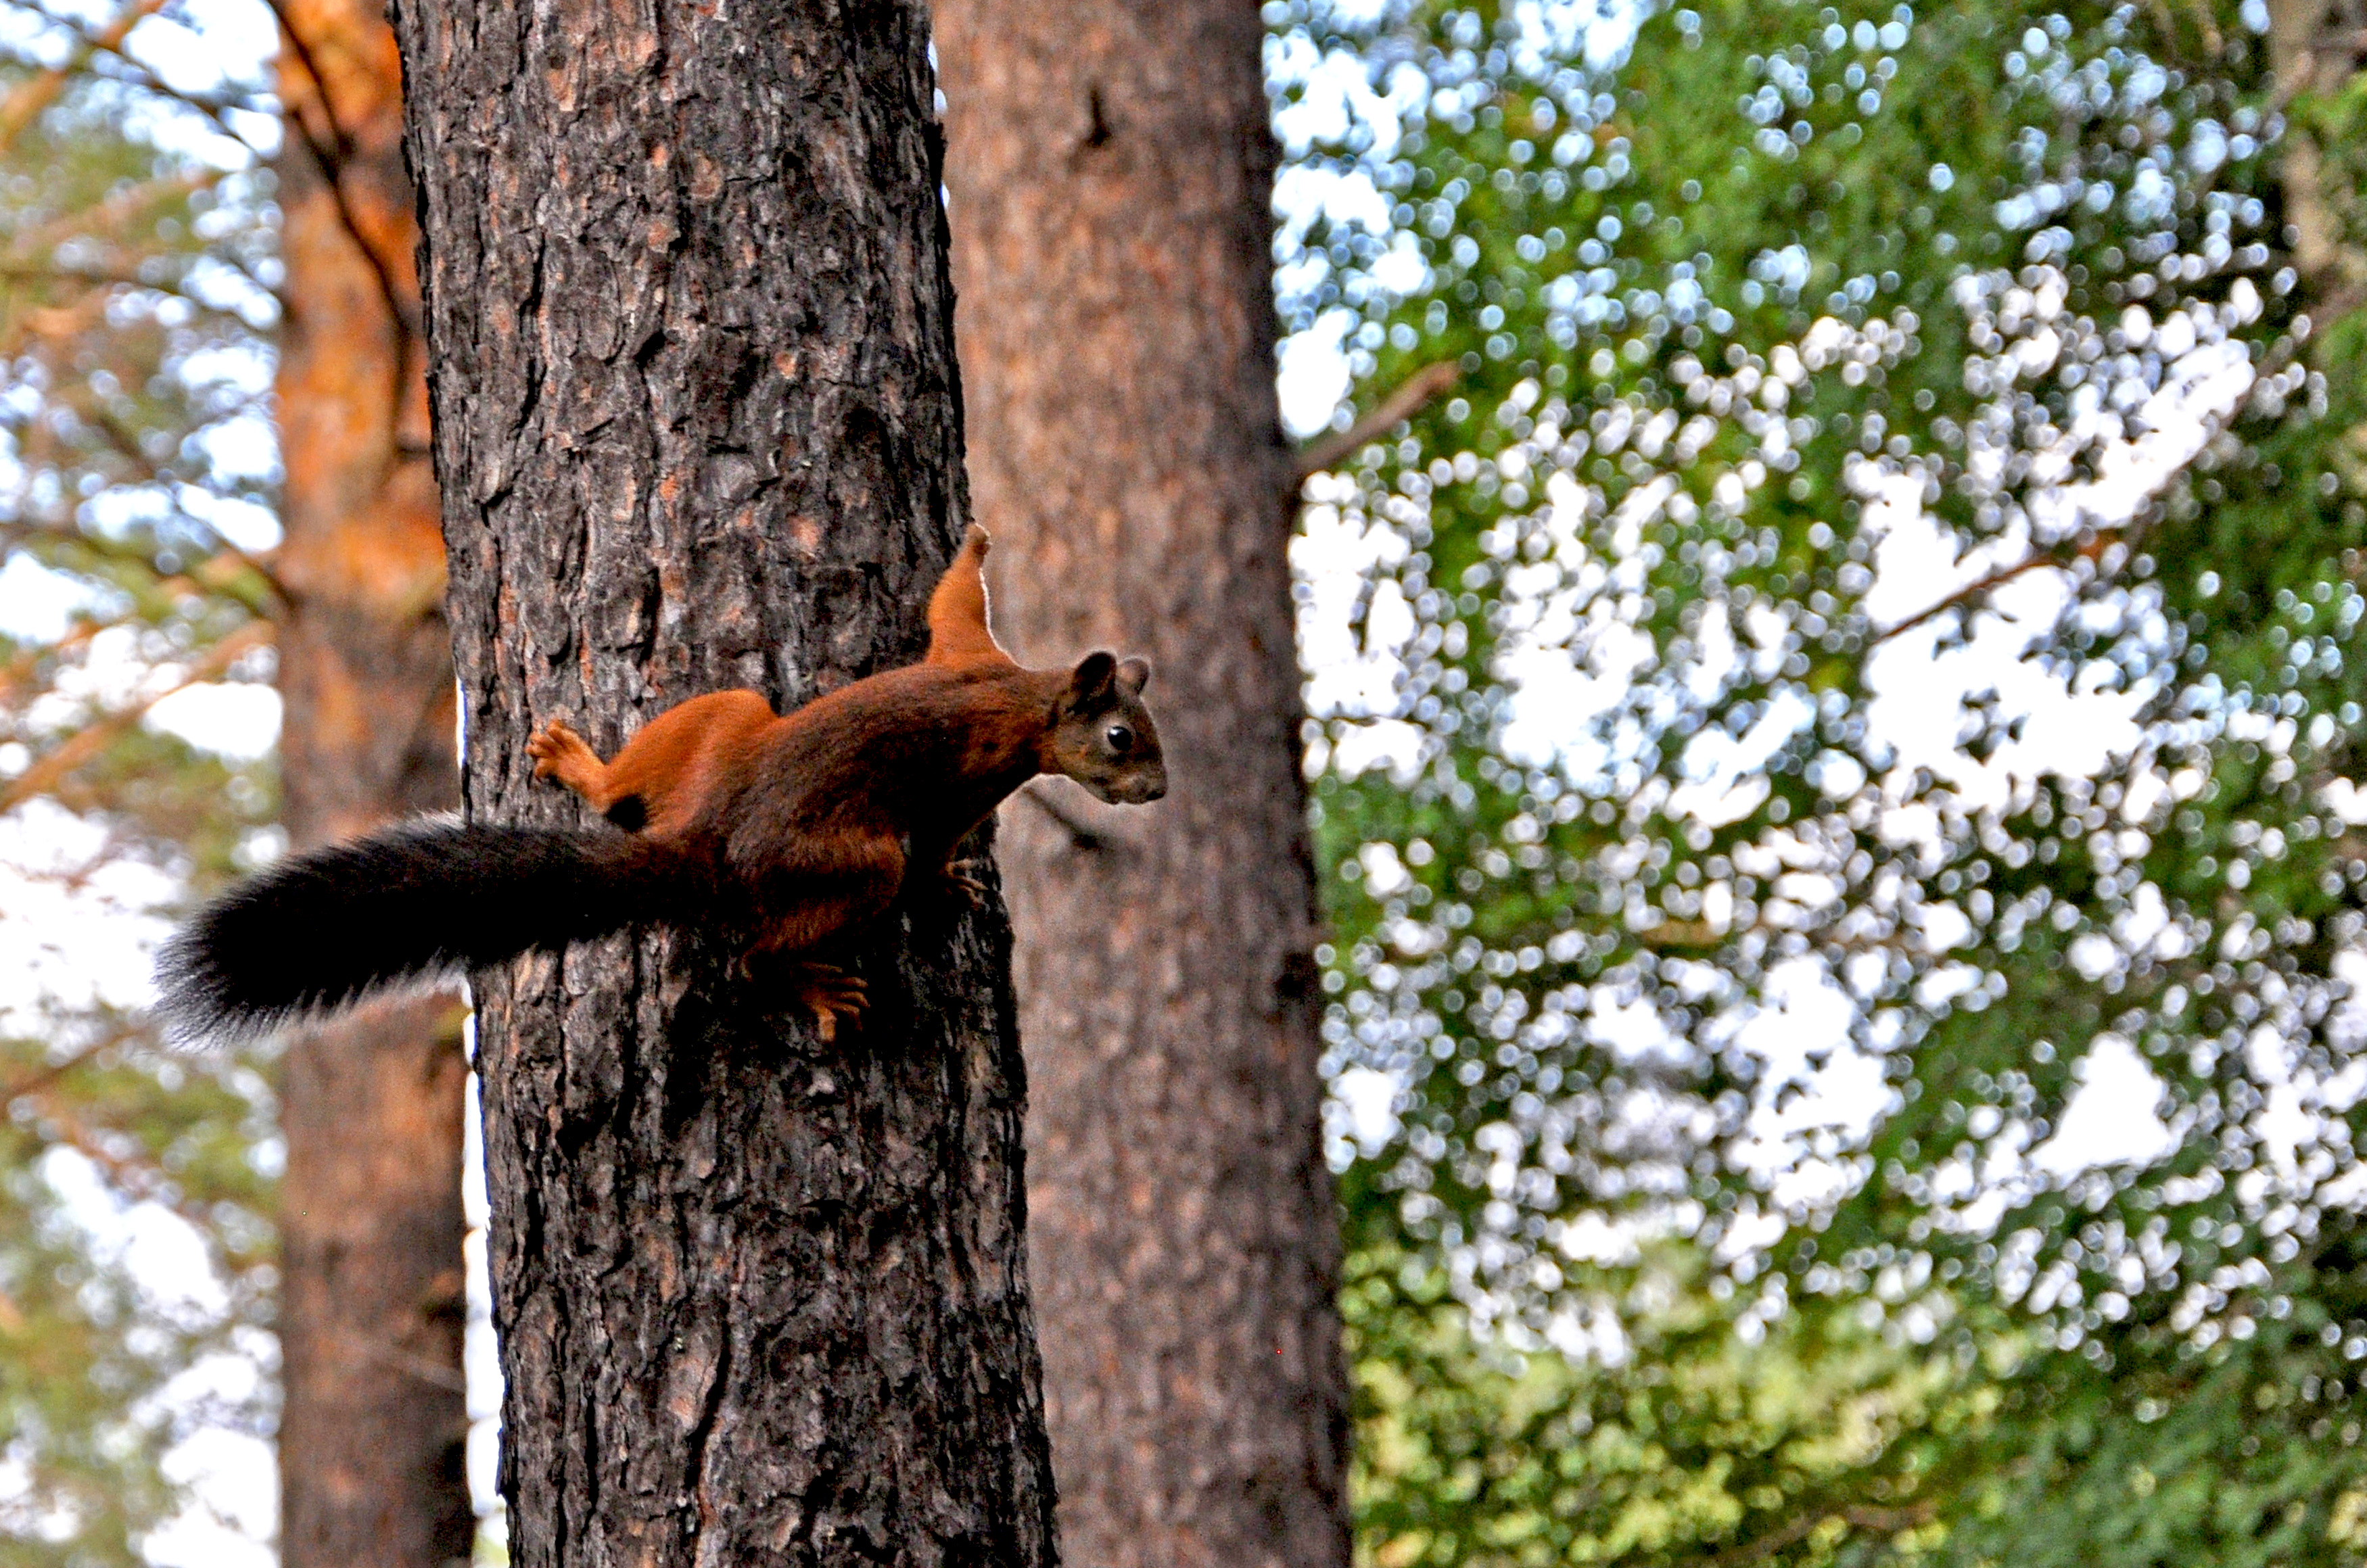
[[1835, 748], [136, 479]]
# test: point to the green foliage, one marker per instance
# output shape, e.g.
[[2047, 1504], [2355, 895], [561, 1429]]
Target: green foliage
[[1690, 1442], [1826, 1440], [135, 248], [89, 1355], [1865, 653]]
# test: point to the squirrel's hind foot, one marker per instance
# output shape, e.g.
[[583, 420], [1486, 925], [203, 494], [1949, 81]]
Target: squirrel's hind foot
[[829, 993], [965, 887]]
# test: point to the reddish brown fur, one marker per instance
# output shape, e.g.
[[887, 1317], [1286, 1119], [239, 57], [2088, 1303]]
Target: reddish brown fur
[[816, 816]]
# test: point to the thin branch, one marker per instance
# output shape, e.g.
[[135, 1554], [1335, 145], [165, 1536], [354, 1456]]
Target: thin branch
[[110, 43], [435, 1374], [208, 105], [54, 323], [107, 215], [1878, 1521], [94, 737], [140, 1175], [104, 278], [331, 160], [48, 1073], [20, 669], [1971, 591], [1414, 394], [42, 272], [207, 574], [36, 93], [1082, 834], [1694, 935]]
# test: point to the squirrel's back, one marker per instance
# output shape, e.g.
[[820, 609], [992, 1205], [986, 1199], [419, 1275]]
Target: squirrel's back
[[892, 743]]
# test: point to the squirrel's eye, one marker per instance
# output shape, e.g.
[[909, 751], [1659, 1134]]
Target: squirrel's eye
[[1119, 737]]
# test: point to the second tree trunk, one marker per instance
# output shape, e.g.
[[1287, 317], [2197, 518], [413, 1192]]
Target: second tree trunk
[[373, 1423], [1112, 175]]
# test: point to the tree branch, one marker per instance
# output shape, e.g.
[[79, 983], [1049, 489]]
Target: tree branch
[[140, 1176], [433, 1373], [20, 669], [48, 1073], [208, 574], [92, 738], [331, 159], [54, 323], [110, 43], [1972, 591], [107, 214], [1874, 1520], [39, 92], [1082, 834], [1414, 394]]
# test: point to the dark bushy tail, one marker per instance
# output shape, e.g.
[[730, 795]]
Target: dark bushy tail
[[431, 897]]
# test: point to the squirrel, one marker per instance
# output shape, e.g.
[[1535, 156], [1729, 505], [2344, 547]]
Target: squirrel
[[788, 828]]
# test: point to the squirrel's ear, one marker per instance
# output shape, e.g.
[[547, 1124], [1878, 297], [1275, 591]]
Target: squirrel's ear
[[1090, 682], [1133, 674]]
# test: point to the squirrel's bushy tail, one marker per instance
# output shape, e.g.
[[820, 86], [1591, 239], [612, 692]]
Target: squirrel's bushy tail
[[433, 897]]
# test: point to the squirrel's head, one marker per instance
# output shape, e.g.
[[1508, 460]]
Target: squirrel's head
[[1102, 735]]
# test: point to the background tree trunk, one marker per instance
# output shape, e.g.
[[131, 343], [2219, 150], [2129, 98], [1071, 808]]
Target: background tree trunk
[[698, 426], [374, 1425], [2315, 45], [1111, 172]]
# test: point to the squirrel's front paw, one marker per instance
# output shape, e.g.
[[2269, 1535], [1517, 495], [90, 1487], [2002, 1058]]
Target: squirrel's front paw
[[559, 753]]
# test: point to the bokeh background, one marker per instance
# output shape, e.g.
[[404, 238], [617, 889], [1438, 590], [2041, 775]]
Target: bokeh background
[[1832, 742]]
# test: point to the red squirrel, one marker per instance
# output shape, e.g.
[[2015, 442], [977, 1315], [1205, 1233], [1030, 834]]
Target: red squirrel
[[786, 830]]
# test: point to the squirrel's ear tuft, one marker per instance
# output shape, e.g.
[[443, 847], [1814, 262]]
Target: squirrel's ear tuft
[[1133, 674], [1090, 682], [976, 539]]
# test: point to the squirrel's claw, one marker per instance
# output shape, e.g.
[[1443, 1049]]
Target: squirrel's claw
[[558, 752], [965, 887], [829, 993]]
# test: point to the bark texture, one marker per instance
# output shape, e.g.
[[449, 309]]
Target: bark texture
[[374, 1424], [2315, 45], [1111, 175], [698, 426]]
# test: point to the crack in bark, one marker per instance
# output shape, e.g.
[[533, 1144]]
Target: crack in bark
[[696, 1442]]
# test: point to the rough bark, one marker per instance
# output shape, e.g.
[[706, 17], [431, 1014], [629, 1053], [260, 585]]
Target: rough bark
[[1111, 175], [698, 426], [2315, 45], [374, 1425]]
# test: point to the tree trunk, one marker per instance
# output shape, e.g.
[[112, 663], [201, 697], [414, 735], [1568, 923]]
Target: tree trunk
[[2315, 45], [1111, 171], [698, 426], [374, 1426]]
